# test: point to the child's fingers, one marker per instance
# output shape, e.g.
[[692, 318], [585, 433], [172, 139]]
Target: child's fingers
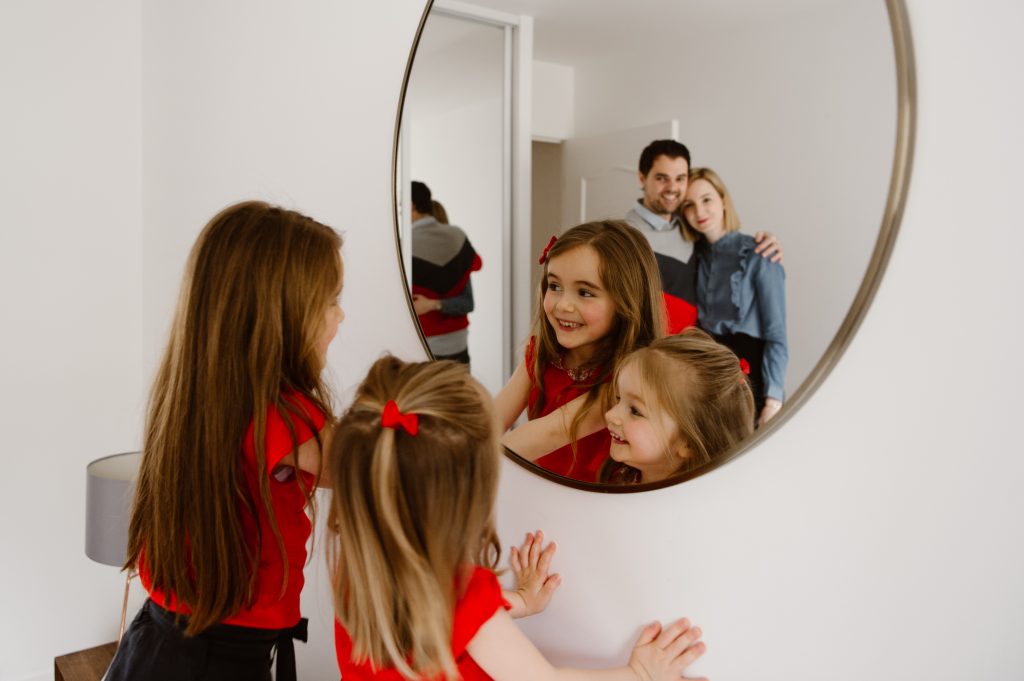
[[672, 632], [689, 657], [525, 548], [648, 634], [684, 641], [544, 564], [535, 548], [550, 585], [514, 561]]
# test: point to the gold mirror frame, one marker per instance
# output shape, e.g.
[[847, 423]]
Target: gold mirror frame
[[899, 184]]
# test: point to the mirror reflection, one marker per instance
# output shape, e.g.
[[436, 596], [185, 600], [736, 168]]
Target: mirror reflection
[[670, 121], [442, 261], [452, 141]]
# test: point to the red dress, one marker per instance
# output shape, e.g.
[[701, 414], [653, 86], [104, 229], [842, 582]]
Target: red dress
[[560, 389], [478, 603], [270, 609]]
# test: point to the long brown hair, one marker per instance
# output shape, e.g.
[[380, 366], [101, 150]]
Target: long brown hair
[[411, 512], [244, 333], [629, 273], [701, 386]]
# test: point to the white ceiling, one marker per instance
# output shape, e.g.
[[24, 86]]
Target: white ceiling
[[569, 31], [458, 59]]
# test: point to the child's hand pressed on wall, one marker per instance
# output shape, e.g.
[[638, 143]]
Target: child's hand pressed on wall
[[665, 653], [534, 585]]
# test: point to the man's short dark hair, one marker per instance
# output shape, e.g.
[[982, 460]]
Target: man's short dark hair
[[657, 148], [422, 201]]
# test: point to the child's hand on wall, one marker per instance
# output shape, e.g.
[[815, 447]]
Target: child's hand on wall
[[666, 653], [534, 585]]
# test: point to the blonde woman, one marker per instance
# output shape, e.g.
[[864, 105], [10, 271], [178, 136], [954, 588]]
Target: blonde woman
[[741, 297]]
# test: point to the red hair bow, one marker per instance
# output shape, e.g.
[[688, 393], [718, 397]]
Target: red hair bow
[[544, 254], [391, 417], [744, 366]]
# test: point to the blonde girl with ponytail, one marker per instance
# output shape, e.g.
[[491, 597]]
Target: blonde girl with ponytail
[[414, 467]]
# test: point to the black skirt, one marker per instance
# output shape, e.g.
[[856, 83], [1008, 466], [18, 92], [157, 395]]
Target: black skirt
[[155, 648], [752, 350]]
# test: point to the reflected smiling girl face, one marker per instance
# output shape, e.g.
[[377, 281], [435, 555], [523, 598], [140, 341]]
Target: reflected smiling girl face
[[643, 434], [576, 304]]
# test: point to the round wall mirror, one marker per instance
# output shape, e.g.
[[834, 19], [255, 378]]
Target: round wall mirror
[[523, 118]]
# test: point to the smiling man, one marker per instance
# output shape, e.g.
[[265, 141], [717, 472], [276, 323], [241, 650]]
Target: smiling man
[[664, 168], [663, 173]]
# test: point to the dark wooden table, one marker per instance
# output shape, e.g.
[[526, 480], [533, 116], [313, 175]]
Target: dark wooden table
[[85, 665]]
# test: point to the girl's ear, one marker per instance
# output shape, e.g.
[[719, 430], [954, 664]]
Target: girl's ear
[[682, 450]]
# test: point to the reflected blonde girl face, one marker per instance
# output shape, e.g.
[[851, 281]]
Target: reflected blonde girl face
[[643, 435]]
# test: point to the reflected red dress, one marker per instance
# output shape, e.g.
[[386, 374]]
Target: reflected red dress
[[478, 603], [560, 389]]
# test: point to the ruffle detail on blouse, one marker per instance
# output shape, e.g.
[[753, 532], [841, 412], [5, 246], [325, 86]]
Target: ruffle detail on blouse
[[746, 246]]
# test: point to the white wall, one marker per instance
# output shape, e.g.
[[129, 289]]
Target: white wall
[[552, 101], [797, 114], [877, 535], [71, 309]]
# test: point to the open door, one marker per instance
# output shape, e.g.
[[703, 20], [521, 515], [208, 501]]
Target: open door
[[599, 172]]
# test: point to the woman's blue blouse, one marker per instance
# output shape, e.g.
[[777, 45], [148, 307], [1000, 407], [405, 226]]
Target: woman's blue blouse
[[738, 291]]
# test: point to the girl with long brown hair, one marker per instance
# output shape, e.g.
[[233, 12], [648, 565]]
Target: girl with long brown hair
[[414, 466], [600, 298], [237, 417]]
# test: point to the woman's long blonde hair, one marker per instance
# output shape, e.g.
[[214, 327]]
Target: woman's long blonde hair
[[412, 513], [244, 335], [629, 273], [701, 386], [730, 218]]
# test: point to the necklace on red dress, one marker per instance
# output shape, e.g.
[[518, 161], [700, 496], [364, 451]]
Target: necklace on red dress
[[579, 374]]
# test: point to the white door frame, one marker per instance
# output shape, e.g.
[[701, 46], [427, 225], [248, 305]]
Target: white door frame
[[516, 168]]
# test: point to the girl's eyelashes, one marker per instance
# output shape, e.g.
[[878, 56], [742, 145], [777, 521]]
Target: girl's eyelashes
[[583, 292], [633, 411]]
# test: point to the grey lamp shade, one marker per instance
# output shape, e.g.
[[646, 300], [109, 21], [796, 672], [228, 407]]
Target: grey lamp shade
[[110, 484]]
